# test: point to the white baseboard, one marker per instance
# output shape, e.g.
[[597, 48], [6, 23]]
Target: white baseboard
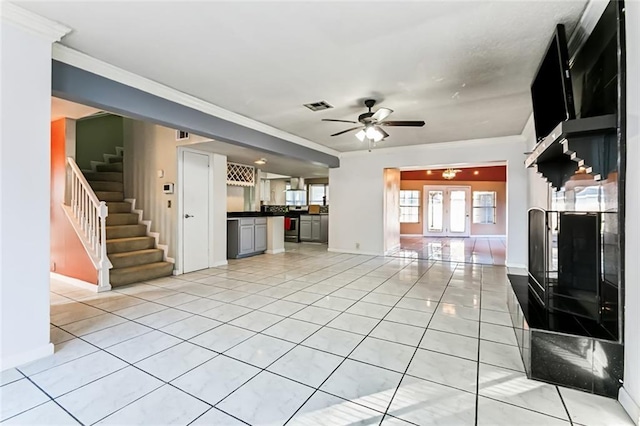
[[26, 357], [276, 251], [364, 253], [219, 263], [392, 249], [76, 282], [629, 405], [411, 235]]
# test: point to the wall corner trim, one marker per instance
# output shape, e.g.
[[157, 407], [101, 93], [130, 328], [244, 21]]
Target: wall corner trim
[[34, 23], [26, 357], [629, 405]]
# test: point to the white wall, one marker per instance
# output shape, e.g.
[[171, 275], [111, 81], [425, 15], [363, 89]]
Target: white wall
[[147, 149], [538, 187], [630, 393], [356, 213], [25, 111], [235, 198]]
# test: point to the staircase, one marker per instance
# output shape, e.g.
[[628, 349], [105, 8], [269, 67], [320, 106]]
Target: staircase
[[132, 252]]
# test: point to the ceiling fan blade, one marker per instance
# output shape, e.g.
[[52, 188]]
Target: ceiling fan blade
[[384, 134], [339, 121], [345, 131], [381, 114], [403, 123]]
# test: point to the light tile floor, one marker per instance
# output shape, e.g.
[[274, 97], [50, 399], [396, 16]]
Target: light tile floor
[[479, 250], [303, 338]]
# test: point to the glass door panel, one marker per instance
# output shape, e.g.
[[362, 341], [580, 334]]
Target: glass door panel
[[446, 211], [457, 211], [435, 211]]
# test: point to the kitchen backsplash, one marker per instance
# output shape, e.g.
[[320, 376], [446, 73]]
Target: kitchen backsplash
[[284, 209]]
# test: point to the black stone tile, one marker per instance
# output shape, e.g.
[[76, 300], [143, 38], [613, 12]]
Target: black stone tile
[[608, 367]]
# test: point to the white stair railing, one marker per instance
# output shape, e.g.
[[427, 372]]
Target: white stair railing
[[91, 218]]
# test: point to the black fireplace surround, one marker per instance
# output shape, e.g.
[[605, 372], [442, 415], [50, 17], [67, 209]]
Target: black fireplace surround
[[568, 310]]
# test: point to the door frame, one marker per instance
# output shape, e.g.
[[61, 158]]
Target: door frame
[[446, 217], [180, 208]]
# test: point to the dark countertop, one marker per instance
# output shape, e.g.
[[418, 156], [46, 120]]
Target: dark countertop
[[253, 214]]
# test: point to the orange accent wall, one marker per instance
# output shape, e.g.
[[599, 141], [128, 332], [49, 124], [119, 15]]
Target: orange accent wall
[[68, 256], [499, 228]]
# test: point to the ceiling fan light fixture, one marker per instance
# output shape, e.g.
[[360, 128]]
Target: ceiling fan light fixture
[[361, 135], [261, 161]]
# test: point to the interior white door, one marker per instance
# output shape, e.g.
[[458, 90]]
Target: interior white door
[[195, 222], [447, 211]]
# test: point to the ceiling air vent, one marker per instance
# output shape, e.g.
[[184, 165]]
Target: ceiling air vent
[[318, 106]]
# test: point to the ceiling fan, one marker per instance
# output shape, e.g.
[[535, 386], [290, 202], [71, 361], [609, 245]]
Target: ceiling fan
[[372, 122]]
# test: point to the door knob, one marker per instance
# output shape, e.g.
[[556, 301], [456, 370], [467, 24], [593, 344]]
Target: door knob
[[187, 216]]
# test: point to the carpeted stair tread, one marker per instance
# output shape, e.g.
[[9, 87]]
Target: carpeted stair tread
[[122, 219], [104, 185], [126, 231], [104, 176], [132, 274], [111, 167], [109, 195], [120, 245], [114, 159], [137, 257], [119, 207]]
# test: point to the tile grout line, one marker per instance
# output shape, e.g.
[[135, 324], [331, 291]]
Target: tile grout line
[[479, 343], [355, 347], [344, 358], [418, 346]]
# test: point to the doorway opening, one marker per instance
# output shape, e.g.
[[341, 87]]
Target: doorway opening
[[453, 214]]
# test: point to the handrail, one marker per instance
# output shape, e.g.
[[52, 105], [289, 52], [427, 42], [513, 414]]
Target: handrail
[[91, 216]]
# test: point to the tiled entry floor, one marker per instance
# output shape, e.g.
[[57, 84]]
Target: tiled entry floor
[[303, 338], [482, 250]]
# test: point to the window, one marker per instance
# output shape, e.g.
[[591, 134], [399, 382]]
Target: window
[[295, 198], [409, 206], [318, 193], [484, 207]]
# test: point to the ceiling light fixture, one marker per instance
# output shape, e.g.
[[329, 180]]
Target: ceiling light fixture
[[371, 133], [476, 173], [450, 173], [428, 172], [261, 161]]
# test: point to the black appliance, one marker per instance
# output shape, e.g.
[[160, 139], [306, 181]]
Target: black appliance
[[551, 90]]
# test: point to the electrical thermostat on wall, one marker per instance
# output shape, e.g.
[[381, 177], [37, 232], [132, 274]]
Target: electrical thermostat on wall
[[167, 188]]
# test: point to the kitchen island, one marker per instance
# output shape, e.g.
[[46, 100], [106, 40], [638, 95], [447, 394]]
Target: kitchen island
[[252, 233]]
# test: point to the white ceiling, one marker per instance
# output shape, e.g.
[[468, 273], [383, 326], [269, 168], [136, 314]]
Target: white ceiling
[[463, 67]]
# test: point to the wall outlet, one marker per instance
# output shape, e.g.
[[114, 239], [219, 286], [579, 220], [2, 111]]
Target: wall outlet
[[357, 245], [168, 203]]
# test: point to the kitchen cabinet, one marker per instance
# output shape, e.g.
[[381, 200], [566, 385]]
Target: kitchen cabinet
[[260, 236], [265, 190], [246, 236], [314, 228]]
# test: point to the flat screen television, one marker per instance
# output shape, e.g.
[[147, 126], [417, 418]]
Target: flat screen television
[[551, 90]]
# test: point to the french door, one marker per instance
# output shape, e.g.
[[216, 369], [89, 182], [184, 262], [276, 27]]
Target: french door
[[447, 211]]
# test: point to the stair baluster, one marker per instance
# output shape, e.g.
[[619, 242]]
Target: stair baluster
[[91, 216]]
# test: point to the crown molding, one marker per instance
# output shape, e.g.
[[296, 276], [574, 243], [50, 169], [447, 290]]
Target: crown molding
[[33, 23], [88, 63]]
